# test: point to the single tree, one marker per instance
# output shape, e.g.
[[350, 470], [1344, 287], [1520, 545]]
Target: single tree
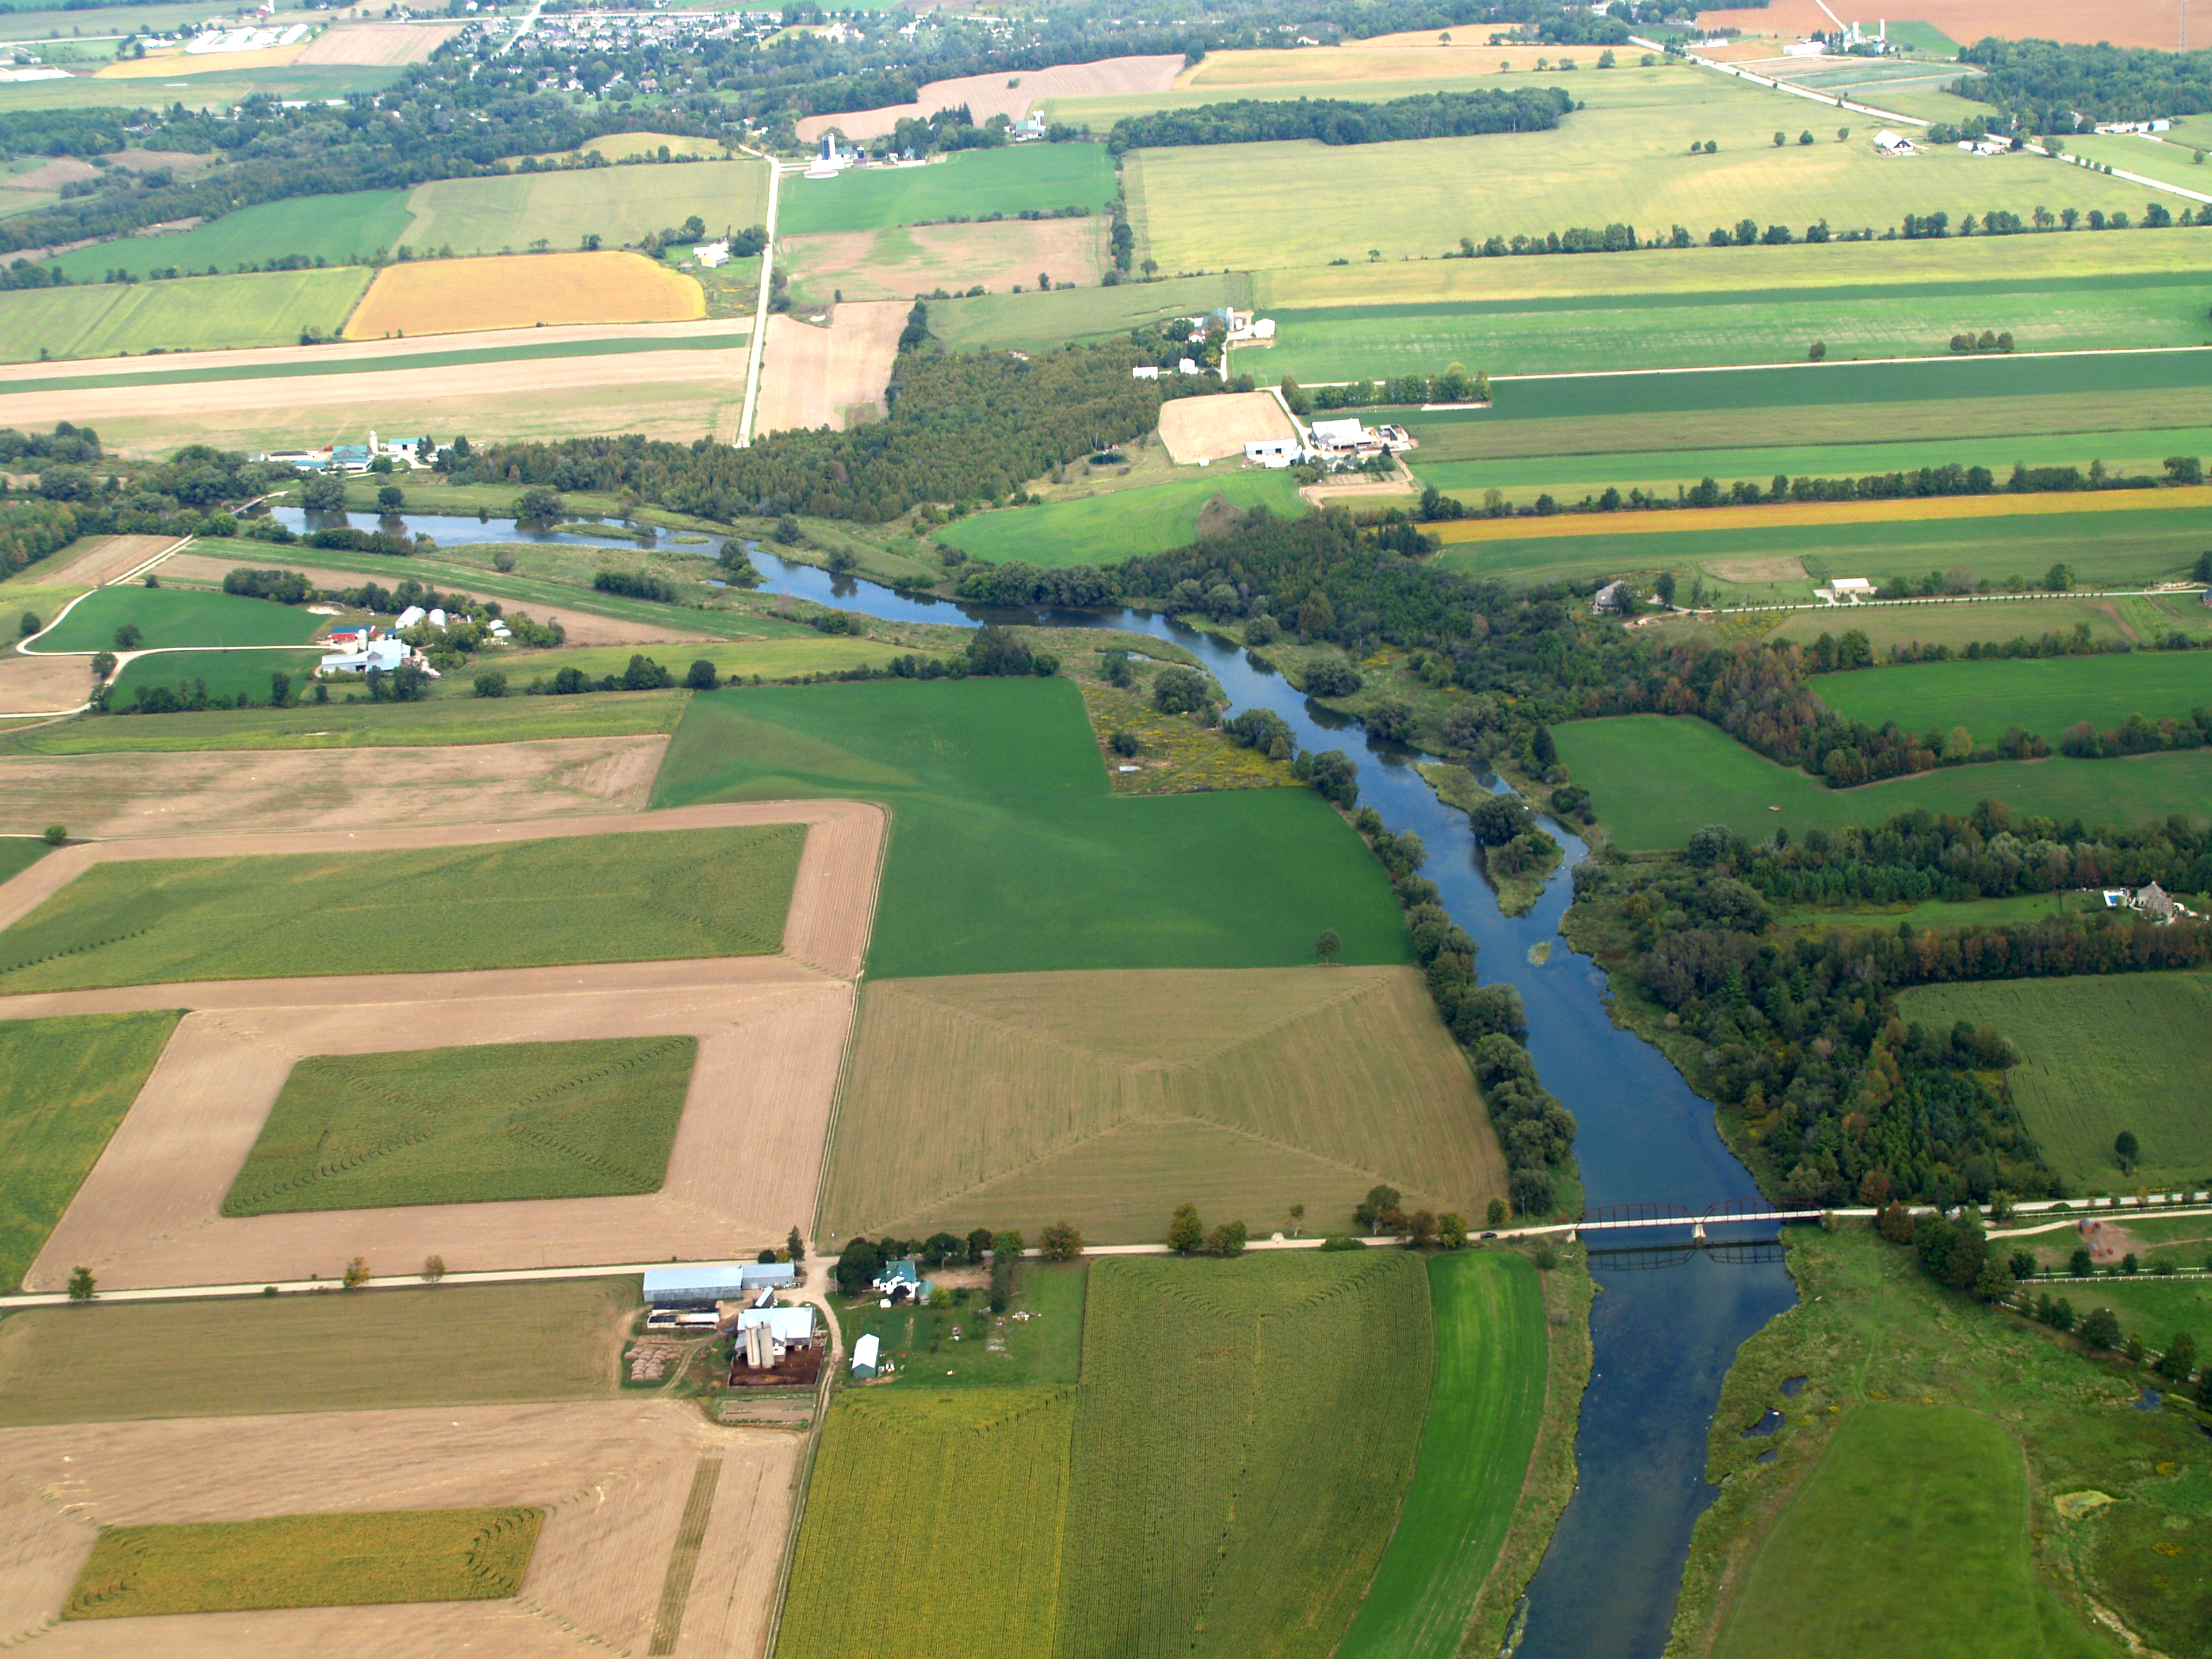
[[1842, 133], [1816, 351], [56, 834], [979, 1243], [434, 1267], [1060, 1242], [280, 688], [2101, 1329], [1330, 946], [2179, 1359], [82, 1287], [2126, 1149], [2022, 1264], [795, 1247], [357, 1273], [103, 665], [701, 676], [1007, 1247], [1452, 1230], [1421, 1229], [2080, 1264], [503, 561], [1780, 139], [1498, 1212], [1380, 1201], [28, 624], [1186, 1233], [127, 637], [390, 498]]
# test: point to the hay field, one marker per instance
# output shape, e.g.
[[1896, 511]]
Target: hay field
[[899, 263], [972, 184], [1118, 523], [448, 722], [343, 229], [621, 204], [2045, 696], [2133, 23], [1030, 321], [1000, 94], [615, 1482], [456, 296], [900, 1472], [167, 616], [1213, 426], [193, 313], [834, 376], [456, 1345], [378, 45], [2133, 620], [99, 559], [1108, 1098], [1625, 157]]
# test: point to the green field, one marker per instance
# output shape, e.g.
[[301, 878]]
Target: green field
[[2153, 1308], [1245, 1434], [2134, 619], [905, 1475], [1481, 1429], [2044, 696], [2099, 1054], [1654, 779], [2172, 161], [1009, 854], [18, 854], [466, 1125], [361, 1559], [619, 204], [339, 229], [970, 184], [64, 1084], [226, 673], [458, 1345], [1037, 322], [772, 659], [196, 313], [1117, 524], [218, 90], [1949, 913], [639, 896], [176, 617], [364, 725], [1624, 157]]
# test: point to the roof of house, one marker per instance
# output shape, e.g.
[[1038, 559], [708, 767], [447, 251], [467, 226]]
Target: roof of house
[[902, 1272]]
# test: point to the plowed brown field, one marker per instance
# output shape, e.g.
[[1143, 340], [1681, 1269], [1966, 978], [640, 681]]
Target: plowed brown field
[[103, 558], [41, 685], [377, 45], [2130, 23], [1217, 426]]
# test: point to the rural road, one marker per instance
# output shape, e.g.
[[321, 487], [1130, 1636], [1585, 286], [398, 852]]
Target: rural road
[[757, 344]]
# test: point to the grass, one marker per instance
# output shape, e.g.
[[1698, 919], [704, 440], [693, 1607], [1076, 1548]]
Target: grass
[[2153, 1308], [619, 204], [64, 1084], [18, 854], [364, 1558], [466, 1125], [639, 896], [1483, 1410], [225, 673], [1926, 1448], [365, 725], [2045, 696], [341, 229], [2136, 620], [1106, 1099], [1046, 1347], [772, 659], [1950, 913], [2099, 1055], [1245, 1435], [903, 1471], [972, 183], [456, 1345], [190, 313], [1654, 779], [176, 617], [1116, 525], [1008, 853], [1036, 322]]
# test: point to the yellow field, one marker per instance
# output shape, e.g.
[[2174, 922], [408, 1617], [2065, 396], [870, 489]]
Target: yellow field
[[1108, 1098], [1415, 57], [618, 145], [1780, 513], [167, 66], [453, 296]]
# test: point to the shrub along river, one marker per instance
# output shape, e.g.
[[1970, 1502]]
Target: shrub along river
[[1663, 1338]]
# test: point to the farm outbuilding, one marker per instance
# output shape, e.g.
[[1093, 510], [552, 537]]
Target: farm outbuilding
[[700, 1284], [867, 1357], [1275, 452], [787, 1327], [770, 1275]]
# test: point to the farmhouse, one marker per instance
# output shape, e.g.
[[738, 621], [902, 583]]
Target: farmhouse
[[1610, 599], [2155, 901], [900, 1281], [1887, 142]]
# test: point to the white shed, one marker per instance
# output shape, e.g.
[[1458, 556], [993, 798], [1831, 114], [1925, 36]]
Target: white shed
[[866, 1355]]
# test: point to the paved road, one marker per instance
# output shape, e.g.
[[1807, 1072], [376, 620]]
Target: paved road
[[759, 341]]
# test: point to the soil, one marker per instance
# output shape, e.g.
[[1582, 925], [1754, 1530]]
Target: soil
[[2132, 23], [1220, 425], [613, 1477], [41, 685], [1777, 568], [377, 45], [813, 376], [100, 560], [986, 95]]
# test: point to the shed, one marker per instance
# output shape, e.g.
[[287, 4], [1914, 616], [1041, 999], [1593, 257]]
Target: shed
[[409, 617], [700, 1284], [1273, 451], [770, 1275], [1887, 142], [866, 1357]]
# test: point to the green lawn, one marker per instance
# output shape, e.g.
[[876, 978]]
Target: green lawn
[[466, 1125], [2099, 1054], [1009, 854], [1117, 524], [174, 617], [64, 1084], [1045, 1348], [620, 204], [1482, 1415], [2044, 696], [363, 724], [1654, 779], [643, 896], [970, 183], [340, 229], [226, 673]]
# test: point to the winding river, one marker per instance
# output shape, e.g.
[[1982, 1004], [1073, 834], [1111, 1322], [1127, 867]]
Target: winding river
[[1664, 1338]]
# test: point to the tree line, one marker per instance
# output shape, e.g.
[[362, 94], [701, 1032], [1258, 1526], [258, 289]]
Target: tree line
[[2069, 87], [1344, 121]]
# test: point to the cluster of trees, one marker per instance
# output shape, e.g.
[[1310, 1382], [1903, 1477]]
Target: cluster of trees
[[1187, 1235], [636, 585], [1454, 385], [68, 443], [283, 587], [1537, 1131], [1615, 238], [1341, 121], [2136, 736], [2068, 88], [1383, 1211], [1987, 340]]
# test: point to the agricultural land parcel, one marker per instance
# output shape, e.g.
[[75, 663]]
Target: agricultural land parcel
[[2137, 23], [902, 261], [2044, 697], [363, 726], [2133, 619], [1009, 853], [970, 183], [1654, 779], [620, 204], [1106, 1099], [340, 230], [1116, 525], [173, 616], [2099, 1055], [225, 673], [188, 315], [458, 296]]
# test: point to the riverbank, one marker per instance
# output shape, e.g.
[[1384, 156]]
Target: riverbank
[[1517, 890]]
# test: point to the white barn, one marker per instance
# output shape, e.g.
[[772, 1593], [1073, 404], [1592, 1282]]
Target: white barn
[[1275, 452]]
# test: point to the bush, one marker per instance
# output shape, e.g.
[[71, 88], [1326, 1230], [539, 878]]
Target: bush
[[635, 585], [1331, 676], [491, 685], [56, 834], [1180, 690], [701, 676], [1343, 1242]]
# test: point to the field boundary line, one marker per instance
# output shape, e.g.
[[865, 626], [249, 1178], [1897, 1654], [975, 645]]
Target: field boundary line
[[2135, 178], [1731, 69]]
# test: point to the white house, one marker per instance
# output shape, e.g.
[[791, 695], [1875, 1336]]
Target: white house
[[1852, 587], [1186, 366], [1275, 452], [1887, 142], [712, 254], [868, 1358], [1144, 371]]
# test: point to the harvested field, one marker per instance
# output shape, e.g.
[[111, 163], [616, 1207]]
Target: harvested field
[[41, 685], [377, 45], [900, 263], [173, 794], [563, 206], [2134, 23], [157, 65], [455, 296], [1108, 1098], [1209, 427], [1000, 94], [615, 1482], [101, 559], [1781, 567], [814, 376]]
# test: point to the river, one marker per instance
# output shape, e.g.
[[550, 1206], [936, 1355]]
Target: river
[[1663, 1338]]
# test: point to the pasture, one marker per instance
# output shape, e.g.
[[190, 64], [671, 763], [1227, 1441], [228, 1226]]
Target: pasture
[[1624, 157], [1654, 779], [363, 726], [167, 616], [18, 854], [190, 313], [341, 229], [464, 1125], [1116, 525], [1262, 1540], [1008, 852], [620, 204], [1037, 322], [1488, 1398], [2045, 696], [540, 290], [457, 1344], [773, 660], [638, 896], [1106, 1099], [900, 1472], [2099, 1054], [225, 673], [363, 1557], [2153, 1308], [64, 1084], [970, 183]]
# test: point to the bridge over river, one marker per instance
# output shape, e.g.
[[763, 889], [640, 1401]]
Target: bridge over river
[[1628, 1219]]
